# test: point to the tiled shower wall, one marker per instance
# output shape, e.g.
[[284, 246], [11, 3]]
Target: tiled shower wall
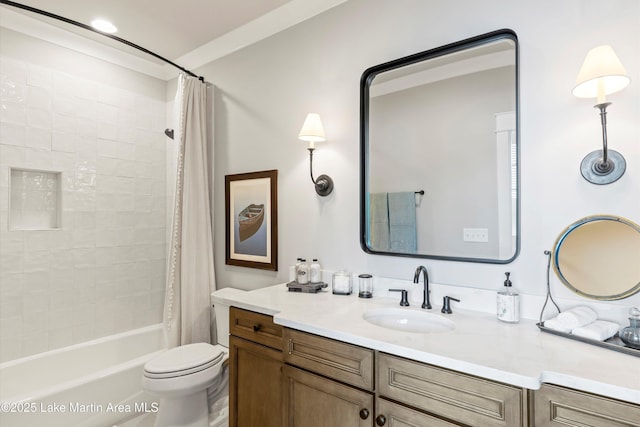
[[103, 271]]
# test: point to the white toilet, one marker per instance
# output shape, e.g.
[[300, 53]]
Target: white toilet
[[181, 376]]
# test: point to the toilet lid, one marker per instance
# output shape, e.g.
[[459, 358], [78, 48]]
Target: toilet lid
[[184, 360]]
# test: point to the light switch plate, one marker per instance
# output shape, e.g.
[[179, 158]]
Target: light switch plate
[[477, 235]]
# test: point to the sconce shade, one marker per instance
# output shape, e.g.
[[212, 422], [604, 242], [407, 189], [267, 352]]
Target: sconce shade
[[601, 74], [312, 129]]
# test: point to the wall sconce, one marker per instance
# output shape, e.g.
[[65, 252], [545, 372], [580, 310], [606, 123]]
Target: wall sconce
[[601, 74], [313, 132]]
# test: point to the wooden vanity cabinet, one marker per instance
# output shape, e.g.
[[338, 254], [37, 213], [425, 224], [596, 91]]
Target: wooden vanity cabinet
[[558, 406], [255, 371], [283, 377]]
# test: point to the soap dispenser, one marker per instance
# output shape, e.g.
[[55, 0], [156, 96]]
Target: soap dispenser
[[508, 303]]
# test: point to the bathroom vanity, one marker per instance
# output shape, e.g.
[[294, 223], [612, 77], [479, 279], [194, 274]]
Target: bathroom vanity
[[312, 360]]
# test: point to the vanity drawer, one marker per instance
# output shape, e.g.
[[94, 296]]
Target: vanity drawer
[[453, 395], [255, 327], [558, 406], [343, 362]]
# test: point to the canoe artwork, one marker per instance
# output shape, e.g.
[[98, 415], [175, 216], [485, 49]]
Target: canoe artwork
[[249, 220]]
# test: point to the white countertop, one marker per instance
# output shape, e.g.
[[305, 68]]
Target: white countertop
[[517, 354]]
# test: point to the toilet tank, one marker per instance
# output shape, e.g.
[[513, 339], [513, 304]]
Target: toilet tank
[[221, 301]]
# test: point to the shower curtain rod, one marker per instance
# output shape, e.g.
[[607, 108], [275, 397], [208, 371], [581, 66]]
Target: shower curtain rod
[[87, 27]]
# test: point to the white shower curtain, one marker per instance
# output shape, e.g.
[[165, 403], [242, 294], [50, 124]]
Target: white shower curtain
[[190, 273]]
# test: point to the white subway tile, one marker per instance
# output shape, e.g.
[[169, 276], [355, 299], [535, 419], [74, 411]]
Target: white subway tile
[[38, 158], [11, 307], [39, 118], [39, 97], [39, 76], [36, 262], [13, 113], [12, 92], [83, 332], [35, 282], [34, 303], [38, 138], [86, 127], [35, 343], [34, 323], [14, 69], [11, 156], [60, 338], [11, 134]]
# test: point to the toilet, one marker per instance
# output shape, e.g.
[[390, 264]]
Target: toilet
[[183, 377]]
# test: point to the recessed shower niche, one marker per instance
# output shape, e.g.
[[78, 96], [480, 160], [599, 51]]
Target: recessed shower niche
[[34, 200]]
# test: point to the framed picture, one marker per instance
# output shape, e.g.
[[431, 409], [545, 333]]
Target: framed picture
[[251, 206]]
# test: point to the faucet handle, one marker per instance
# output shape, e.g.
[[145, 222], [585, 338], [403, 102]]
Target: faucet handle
[[446, 305], [404, 300]]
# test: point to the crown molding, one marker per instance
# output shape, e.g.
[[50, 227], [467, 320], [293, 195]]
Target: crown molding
[[24, 24], [277, 20]]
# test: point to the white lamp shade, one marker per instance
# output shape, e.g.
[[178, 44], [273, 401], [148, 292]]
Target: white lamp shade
[[312, 129], [601, 74]]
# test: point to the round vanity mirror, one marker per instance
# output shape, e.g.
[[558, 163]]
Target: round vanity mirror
[[599, 257]]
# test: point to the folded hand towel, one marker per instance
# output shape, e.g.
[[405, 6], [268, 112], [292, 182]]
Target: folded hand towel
[[599, 330], [576, 317], [556, 325]]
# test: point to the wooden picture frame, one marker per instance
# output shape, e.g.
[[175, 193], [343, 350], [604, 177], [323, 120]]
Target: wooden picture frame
[[251, 215]]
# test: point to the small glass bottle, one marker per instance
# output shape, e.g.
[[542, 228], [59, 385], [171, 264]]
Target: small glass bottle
[[314, 272], [297, 266], [302, 274], [508, 303]]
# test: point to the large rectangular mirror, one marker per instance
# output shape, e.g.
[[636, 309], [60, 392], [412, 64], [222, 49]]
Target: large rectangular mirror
[[439, 153]]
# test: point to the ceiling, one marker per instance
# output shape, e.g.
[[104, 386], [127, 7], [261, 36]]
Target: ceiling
[[189, 32]]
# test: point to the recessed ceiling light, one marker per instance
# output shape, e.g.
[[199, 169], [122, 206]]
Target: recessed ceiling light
[[104, 26]]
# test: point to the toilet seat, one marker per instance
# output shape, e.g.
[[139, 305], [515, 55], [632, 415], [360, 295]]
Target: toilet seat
[[184, 360]]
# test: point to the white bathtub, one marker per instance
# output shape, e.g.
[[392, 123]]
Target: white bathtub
[[96, 383]]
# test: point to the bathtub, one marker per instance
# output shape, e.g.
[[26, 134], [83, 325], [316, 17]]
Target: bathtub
[[96, 383]]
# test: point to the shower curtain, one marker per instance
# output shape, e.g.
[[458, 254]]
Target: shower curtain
[[190, 272]]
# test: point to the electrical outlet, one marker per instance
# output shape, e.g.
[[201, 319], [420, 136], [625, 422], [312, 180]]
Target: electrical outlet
[[477, 235]]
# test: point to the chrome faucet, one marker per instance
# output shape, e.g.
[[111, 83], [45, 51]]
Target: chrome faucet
[[416, 277]]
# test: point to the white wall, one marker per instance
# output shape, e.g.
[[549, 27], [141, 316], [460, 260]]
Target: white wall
[[101, 127], [265, 90]]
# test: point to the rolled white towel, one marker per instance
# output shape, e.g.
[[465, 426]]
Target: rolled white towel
[[599, 330], [556, 325], [577, 317]]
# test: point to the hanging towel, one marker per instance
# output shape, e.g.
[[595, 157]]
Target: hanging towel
[[378, 222], [576, 317], [402, 222], [599, 330]]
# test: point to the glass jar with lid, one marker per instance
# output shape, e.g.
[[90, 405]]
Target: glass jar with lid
[[341, 283]]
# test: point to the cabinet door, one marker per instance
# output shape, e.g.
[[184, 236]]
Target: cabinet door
[[557, 406], [389, 414], [315, 401], [255, 385]]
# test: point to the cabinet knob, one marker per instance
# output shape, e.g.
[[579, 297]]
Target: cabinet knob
[[364, 414], [381, 420], [256, 328]]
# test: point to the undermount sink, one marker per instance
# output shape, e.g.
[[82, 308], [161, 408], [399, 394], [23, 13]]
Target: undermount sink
[[407, 320]]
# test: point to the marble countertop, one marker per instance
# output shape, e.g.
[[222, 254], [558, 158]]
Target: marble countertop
[[517, 354]]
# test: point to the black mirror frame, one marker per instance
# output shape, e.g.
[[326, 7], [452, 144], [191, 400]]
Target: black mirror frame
[[365, 81]]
